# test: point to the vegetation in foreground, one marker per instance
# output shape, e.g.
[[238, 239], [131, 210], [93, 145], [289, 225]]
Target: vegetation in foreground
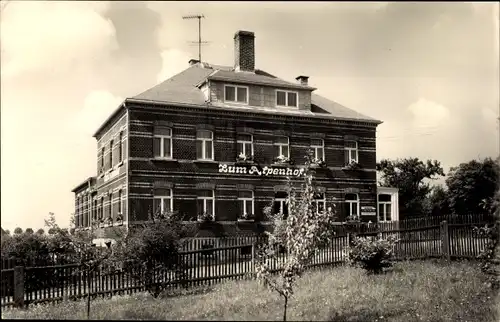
[[410, 291]]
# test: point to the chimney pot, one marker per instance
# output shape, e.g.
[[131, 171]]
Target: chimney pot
[[302, 80], [244, 51]]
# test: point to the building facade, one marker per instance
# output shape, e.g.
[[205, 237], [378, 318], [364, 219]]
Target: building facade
[[218, 142]]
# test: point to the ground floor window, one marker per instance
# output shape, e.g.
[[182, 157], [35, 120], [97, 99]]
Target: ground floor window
[[384, 207], [280, 203], [206, 203], [163, 201], [352, 205], [245, 199], [319, 202]]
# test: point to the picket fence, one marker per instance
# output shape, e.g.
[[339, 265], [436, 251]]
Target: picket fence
[[205, 264]]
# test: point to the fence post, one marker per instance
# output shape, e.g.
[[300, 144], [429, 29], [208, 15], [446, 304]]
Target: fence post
[[445, 240], [253, 259], [19, 286]]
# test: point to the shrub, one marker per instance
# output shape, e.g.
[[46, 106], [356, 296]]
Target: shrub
[[372, 254]]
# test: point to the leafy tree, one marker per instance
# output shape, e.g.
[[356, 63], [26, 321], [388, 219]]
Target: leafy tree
[[300, 235], [29, 231], [410, 176], [437, 202], [472, 186], [18, 231], [153, 250], [40, 231]]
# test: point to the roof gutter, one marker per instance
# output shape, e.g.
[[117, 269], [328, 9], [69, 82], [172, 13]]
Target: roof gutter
[[206, 106]]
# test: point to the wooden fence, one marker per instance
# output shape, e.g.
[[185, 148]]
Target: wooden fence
[[22, 286]]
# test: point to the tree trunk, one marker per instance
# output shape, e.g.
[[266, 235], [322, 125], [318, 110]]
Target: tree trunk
[[284, 311]]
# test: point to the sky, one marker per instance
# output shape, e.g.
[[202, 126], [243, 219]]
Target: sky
[[429, 71]]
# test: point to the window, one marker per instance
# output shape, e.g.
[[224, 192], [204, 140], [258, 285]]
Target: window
[[280, 203], [318, 147], [120, 147], [236, 94], [162, 144], [111, 154], [103, 150], [286, 98], [120, 208], [204, 145], [384, 207], [163, 201], [245, 198], [206, 202], [352, 204], [110, 210], [281, 146], [244, 144], [101, 208], [351, 151], [320, 201]]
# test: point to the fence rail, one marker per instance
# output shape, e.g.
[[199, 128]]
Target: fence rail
[[204, 264]]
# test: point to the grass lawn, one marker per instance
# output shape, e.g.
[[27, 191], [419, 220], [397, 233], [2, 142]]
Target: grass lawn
[[412, 291]]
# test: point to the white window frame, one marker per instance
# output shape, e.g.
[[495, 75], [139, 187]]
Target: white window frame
[[286, 98], [110, 212], [238, 141], [281, 145], [162, 138], [282, 201], [384, 206], [111, 143], [350, 151], [205, 198], [236, 94], [243, 200], [352, 204], [316, 147], [320, 201], [120, 205], [162, 198], [203, 146]]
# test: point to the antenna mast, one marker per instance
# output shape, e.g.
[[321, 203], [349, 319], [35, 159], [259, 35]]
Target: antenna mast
[[199, 42]]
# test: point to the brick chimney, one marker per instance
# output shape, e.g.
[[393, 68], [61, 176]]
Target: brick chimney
[[244, 51], [193, 62], [302, 80]]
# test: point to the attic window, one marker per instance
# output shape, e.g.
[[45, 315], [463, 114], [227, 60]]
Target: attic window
[[286, 98], [236, 94]]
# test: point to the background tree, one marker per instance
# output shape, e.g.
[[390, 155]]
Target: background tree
[[40, 231], [18, 231], [409, 176], [472, 186], [300, 234], [29, 231], [437, 202]]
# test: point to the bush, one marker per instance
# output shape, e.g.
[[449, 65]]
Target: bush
[[372, 254]]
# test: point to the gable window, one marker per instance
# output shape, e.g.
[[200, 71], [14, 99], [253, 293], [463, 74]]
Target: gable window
[[111, 154], [384, 207], [286, 98], [245, 198], [120, 147], [281, 146], [318, 147], [319, 202], [236, 94], [162, 144], [280, 205], [204, 145], [163, 201], [244, 144], [206, 202], [352, 204], [351, 151]]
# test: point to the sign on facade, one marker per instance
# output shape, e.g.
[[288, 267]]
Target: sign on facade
[[258, 171], [368, 211]]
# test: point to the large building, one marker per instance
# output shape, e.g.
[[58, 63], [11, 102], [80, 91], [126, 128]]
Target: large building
[[219, 141]]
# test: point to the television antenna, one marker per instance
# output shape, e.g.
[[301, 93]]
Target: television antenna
[[199, 42]]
